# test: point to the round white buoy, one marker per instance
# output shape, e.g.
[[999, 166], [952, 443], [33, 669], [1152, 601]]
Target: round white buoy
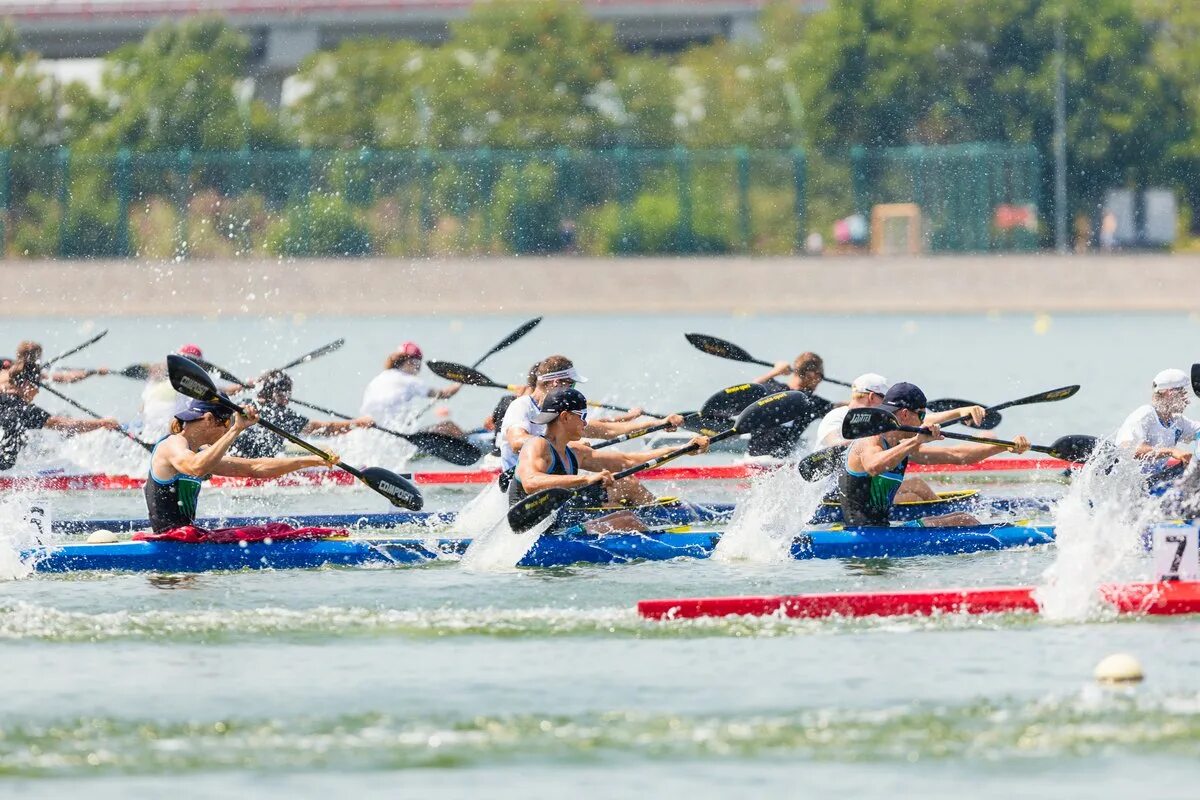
[[1119, 668], [102, 537]]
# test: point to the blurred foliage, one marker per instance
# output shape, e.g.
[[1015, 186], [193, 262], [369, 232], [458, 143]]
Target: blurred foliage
[[536, 75]]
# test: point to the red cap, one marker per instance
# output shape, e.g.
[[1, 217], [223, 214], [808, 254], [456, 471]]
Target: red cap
[[411, 350], [190, 350]]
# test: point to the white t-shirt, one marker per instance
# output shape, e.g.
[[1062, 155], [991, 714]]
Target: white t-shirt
[[1144, 427], [520, 414], [391, 394], [831, 427], [159, 402]]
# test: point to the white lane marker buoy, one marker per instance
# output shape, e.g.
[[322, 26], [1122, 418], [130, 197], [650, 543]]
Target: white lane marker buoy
[[1119, 668], [102, 537]]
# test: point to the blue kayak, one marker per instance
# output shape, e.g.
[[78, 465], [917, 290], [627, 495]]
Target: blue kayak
[[549, 551], [660, 515]]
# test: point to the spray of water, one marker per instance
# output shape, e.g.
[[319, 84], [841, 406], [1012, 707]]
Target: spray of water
[[20, 528], [481, 513], [499, 549], [766, 521], [1099, 525]]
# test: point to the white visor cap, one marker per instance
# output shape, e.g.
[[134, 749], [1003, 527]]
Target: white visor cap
[[569, 374], [870, 382], [1171, 379]]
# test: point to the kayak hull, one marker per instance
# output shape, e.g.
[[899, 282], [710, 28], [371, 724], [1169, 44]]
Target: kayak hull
[[549, 551], [655, 516], [1177, 597]]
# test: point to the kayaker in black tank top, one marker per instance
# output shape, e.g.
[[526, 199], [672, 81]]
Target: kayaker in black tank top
[[555, 460]]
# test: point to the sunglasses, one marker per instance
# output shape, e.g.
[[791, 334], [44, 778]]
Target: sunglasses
[[581, 414]]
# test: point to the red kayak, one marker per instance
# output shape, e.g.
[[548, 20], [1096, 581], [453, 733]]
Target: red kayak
[[1177, 597], [992, 467]]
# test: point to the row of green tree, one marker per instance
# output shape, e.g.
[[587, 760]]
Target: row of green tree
[[521, 74]]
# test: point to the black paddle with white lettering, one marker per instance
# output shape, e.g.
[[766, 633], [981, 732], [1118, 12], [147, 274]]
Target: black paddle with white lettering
[[190, 379], [768, 412], [863, 422]]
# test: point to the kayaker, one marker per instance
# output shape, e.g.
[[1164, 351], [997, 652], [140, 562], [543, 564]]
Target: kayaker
[[1158, 430], [392, 396], [197, 448], [555, 458], [18, 415], [803, 375], [874, 467], [520, 426], [274, 397], [29, 356], [159, 399]]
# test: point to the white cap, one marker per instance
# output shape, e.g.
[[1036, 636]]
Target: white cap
[[870, 382], [1171, 379]]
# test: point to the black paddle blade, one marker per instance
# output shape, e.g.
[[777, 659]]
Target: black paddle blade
[[1073, 448], [1196, 379], [399, 491], [772, 411], [139, 372], [224, 374], [718, 347], [511, 339], [448, 448], [189, 379], [822, 463], [705, 426], [990, 420], [459, 373], [861, 422], [528, 512], [731, 401]]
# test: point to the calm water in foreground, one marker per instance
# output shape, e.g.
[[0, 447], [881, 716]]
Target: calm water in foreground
[[545, 683]]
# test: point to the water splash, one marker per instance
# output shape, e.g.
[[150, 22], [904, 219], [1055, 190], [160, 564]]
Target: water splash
[[767, 521], [481, 513], [1099, 525], [499, 549], [21, 527]]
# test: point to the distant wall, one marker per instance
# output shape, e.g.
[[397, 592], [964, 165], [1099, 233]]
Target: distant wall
[[837, 285]]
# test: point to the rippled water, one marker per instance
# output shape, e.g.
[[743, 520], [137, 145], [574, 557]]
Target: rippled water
[[441, 681]]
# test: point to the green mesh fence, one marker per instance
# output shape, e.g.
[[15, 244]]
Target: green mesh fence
[[973, 197]]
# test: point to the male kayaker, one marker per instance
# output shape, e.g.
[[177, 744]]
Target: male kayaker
[[1158, 430], [274, 397], [197, 447], [803, 375], [554, 458], [393, 396], [18, 415], [875, 466], [520, 424]]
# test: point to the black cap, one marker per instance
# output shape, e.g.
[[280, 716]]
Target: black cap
[[904, 395], [558, 401]]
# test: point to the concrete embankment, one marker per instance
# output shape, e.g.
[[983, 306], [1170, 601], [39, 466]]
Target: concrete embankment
[[836, 285]]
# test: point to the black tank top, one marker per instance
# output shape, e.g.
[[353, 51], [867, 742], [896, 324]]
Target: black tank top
[[867, 499], [172, 503], [558, 466]]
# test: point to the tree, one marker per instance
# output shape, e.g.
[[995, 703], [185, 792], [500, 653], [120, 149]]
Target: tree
[[179, 88], [29, 98]]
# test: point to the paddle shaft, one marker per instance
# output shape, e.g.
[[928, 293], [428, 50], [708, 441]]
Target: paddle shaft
[[1041, 397], [625, 437], [671, 456], [333, 413], [75, 349], [511, 339], [962, 437], [728, 350], [148, 447]]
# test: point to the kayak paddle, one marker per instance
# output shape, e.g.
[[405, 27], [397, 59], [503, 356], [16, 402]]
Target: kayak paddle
[[863, 422], [469, 376], [511, 339], [992, 418], [767, 412], [732, 400], [226, 375], [75, 349], [190, 379], [448, 448], [149, 448], [723, 349], [826, 461], [692, 422]]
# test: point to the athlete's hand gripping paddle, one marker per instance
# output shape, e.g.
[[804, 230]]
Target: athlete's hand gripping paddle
[[863, 422], [191, 380], [768, 412]]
